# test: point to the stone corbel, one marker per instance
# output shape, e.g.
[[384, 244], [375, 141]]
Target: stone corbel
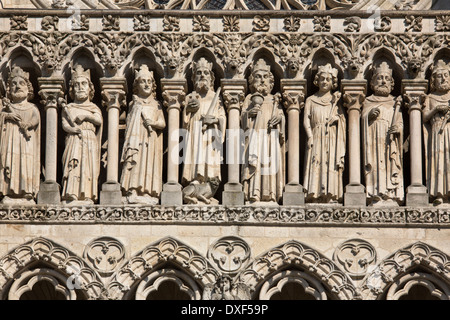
[[233, 92], [173, 92], [294, 92], [414, 93], [51, 90], [114, 94], [354, 93]]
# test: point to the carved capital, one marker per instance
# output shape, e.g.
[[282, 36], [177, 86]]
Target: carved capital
[[414, 93], [354, 93], [233, 93], [51, 89], [174, 93], [294, 93], [113, 92]]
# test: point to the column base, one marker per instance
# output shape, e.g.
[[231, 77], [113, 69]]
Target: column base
[[416, 195], [171, 194], [111, 194], [293, 195], [355, 195], [233, 194], [49, 193]]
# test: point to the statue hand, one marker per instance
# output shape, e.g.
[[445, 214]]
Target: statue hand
[[13, 117], [442, 108], [374, 113], [310, 143], [394, 129], [274, 121], [333, 120], [253, 112], [148, 124], [193, 105], [209, 120]]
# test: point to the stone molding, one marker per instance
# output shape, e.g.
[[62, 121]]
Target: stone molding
[[243, 215], [146, 269]]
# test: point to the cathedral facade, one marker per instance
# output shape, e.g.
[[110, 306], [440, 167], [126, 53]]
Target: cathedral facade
[[225, 150]]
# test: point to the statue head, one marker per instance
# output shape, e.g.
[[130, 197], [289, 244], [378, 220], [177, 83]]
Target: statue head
[[81, 86], [261, 80], [202, 75], [144, 84], [382, 82], [19, 87], [440, 77], [326, 78]]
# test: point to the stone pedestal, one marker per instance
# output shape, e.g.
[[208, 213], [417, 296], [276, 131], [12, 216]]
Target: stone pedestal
[[113, 92], [414, 94], [294, 92], [354, 93], [174, 92], [51, 89], [233, 95]]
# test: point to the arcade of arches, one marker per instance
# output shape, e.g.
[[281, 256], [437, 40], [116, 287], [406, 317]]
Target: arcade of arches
[[179, 150]]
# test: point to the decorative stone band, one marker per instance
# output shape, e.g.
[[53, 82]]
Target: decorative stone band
[[243, 215]]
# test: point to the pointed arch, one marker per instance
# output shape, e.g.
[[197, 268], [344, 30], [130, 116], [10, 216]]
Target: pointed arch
[[296, 255], [402, 262], [63, 262], [154, 257]]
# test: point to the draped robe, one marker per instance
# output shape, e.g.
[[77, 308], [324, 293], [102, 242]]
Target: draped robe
[[142, 155], [324, 162], [203, 149], [81, 157], [263, 171], [19, 155], [437, 147], [382, 152]]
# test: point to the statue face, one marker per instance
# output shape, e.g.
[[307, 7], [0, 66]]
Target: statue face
[[262, 82], [145, 86], [202, 79], [325, 82], [18, 89], [382, 84], [442, 80], [81, 88]]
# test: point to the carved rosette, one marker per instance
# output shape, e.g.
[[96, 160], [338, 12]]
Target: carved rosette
[[105, 254], [229, 254], [355, 256]]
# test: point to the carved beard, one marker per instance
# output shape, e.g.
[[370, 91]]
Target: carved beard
[[19, 95], [443, 86], [382, 90], [202, 85], [263, 89]]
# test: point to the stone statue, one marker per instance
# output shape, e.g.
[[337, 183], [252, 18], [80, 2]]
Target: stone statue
[[225, 289], [436, 116], [20, 141], [204, 120], [142, 155], [82, 121], [263, 122], [325, 128], [382, 137]]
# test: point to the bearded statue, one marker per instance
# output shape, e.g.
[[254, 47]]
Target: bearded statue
[[436, 116], [20, 141], [264, 123], [382, 136]]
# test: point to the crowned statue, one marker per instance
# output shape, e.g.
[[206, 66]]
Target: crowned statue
[[204, 121], [82, 122], [20, 141], [264, 125], [325, 128], [436, 119], [142, 155]]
